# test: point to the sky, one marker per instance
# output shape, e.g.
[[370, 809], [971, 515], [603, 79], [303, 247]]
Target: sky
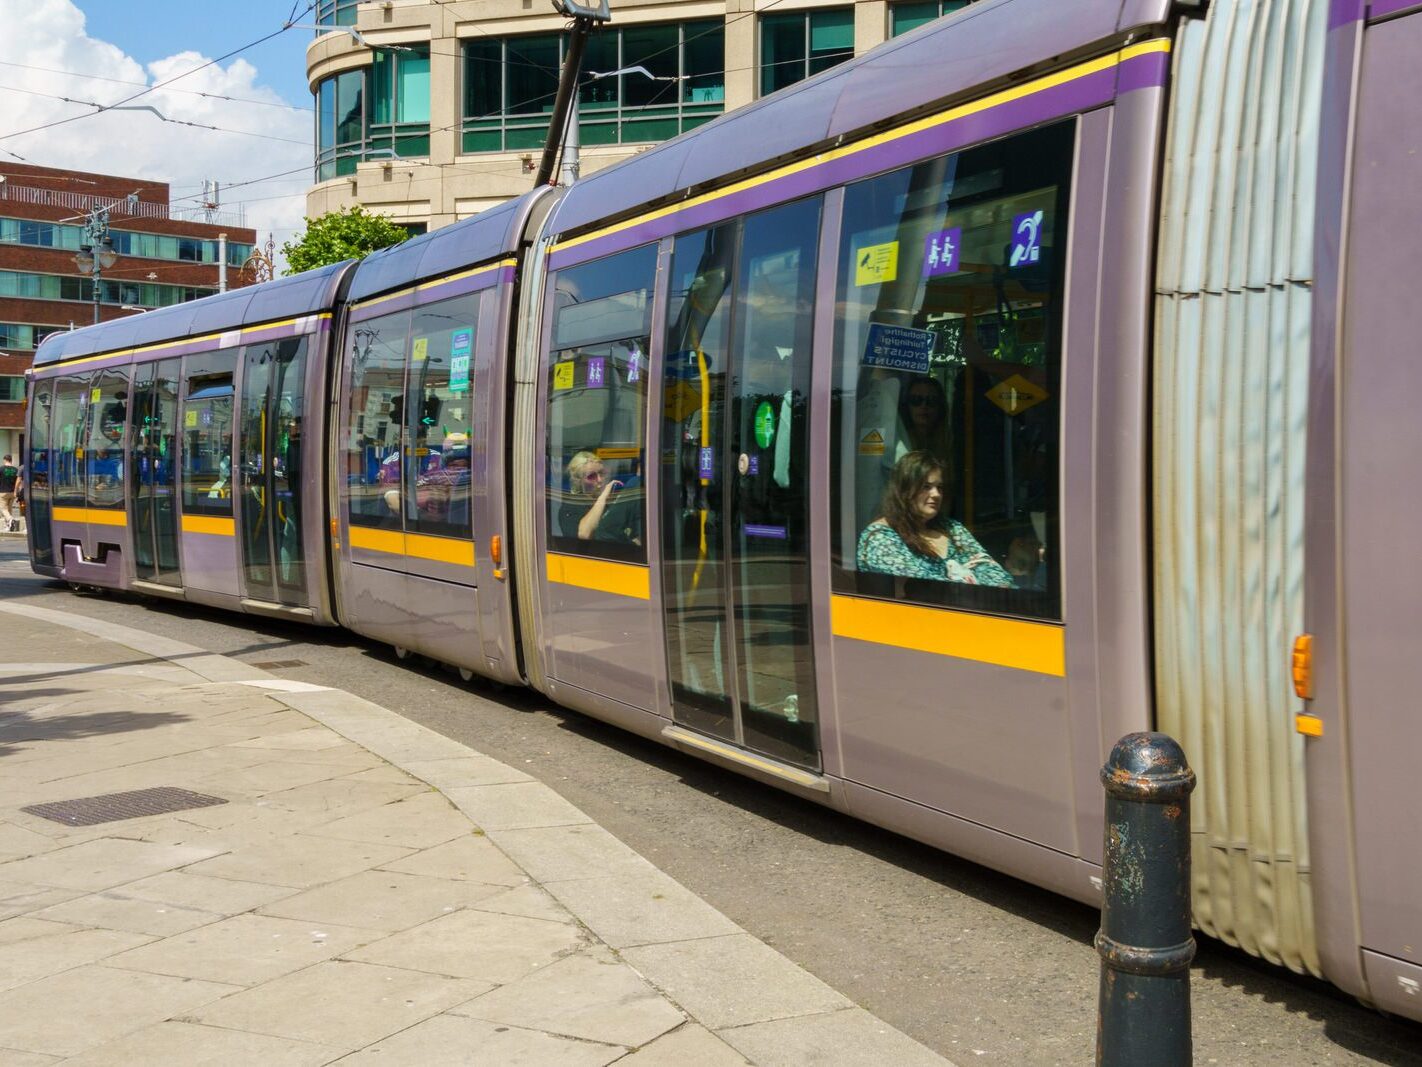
[[67, 48]]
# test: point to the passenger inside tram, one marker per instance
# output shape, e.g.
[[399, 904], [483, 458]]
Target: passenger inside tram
[[912, 538], [593, 509], [923, 418]]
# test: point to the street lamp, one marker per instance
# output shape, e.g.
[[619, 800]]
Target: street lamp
[[96, 254]]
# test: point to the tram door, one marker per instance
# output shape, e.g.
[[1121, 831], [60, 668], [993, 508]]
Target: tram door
[[37, 485], [153, 438], [734, 483], [269, 472]]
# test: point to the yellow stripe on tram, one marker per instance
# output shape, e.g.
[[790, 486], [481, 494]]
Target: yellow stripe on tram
[[93, 516], [1024, 646], [415, 546], [601, 575], [215, 525]]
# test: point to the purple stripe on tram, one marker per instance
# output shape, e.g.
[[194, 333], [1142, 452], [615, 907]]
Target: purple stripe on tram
[[1345, 12], [462, 286], [1381, 8], [436, 291], [1077, 95], [1149, 71]]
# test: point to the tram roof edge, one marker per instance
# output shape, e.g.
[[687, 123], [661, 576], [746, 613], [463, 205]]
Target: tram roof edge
[[977, 46], [282, 298], [490, 234]]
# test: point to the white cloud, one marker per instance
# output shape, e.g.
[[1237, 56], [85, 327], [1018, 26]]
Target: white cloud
[[50, 33]]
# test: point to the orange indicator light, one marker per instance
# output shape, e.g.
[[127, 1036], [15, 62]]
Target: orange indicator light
[[1303, 666]]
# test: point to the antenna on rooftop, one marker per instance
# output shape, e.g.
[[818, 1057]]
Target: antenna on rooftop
[[210, 197]]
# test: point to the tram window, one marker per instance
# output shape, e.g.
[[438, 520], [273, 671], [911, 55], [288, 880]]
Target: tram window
[[377, 414], [597, 406], [71, 405], [439, 406], [207, 434], [37, 484], [947, 379], [103, 448]]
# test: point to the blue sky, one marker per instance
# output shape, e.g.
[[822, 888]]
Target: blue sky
[[152, 29], [246, 122]]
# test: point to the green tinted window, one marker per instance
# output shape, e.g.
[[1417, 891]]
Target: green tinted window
[[510, 84]]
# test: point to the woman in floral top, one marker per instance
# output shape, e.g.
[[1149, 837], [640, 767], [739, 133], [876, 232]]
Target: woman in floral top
[[912, 539]]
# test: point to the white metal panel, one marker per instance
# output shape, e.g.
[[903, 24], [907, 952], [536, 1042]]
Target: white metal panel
[[1231, 392]]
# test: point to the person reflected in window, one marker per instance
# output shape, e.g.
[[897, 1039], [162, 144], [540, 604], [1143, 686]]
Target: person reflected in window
[[923, 417], [913, 539], [594, 513]]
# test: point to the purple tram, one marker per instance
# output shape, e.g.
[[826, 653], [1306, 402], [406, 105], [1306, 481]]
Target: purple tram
[[900, 440]]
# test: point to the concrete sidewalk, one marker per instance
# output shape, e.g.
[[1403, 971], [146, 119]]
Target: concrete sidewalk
[[369, 891]]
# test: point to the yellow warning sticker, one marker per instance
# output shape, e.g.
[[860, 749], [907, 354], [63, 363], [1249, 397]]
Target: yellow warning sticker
[[190, 418], [94, 395], [563, 375], [420, 349], [1016, 394], [874, 264], [872, 444]]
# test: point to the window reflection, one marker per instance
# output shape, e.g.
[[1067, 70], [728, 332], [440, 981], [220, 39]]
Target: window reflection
[[597, 392], [947, 379]]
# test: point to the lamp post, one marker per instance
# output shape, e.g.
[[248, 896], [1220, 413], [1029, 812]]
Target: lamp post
[[96, 254]]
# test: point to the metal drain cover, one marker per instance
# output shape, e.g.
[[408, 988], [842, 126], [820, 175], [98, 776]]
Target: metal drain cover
[[280, 664], [89, 811]]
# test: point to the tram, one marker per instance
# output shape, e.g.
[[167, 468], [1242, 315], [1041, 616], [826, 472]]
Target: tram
[[900, 440]]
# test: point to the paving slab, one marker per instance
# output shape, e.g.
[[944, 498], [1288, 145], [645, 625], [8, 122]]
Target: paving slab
[[472, 858], [115, 909], [849, 1036], [245, 949], [68, 1013], [299, 860], [382, 900], [639, 907], [447, 1041], [39, 957], [487, 946], [421, 821], [515, 806], [590, 995], [193, 1045], [690, 1045], [344, 1004], [101, 864], [733, 980]]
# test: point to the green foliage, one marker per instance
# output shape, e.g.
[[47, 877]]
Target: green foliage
[[350, 233]]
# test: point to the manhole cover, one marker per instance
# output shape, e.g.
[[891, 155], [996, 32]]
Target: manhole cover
[[279, 664], [89, 811]]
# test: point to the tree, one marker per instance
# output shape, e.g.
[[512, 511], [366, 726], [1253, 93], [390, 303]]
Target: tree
[[350, 233]]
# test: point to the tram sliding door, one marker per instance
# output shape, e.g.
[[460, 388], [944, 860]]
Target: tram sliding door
[[153, 472], [268, 472], [736, 590], [37, 476]]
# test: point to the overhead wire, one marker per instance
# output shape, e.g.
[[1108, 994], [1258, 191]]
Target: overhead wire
[[156, 85], [161, 117], [186, 92]]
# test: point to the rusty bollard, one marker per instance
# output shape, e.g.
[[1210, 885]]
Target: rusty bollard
[[1145, 942]]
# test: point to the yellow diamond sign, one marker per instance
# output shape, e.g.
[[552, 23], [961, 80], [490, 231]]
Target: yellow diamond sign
[[1016, 394]]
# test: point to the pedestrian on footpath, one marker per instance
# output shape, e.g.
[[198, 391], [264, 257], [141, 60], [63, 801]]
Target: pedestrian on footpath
[[9, 478]]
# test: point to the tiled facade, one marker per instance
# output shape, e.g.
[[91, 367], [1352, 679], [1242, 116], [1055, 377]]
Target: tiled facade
[[41, 288], [411, 124]]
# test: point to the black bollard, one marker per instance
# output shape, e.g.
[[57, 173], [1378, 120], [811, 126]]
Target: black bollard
[[1145, 942]]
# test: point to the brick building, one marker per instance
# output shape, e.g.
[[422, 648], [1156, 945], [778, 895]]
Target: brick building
[[163, 259]]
